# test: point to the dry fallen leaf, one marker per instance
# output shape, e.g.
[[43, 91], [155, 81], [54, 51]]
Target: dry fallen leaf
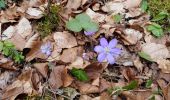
[[34, 12], [64, 40], [94, 70], [164, 65], [132, 4], [42, 68], [22, 85], [156, 51], [86, 88], [73, 4], [67, 79], [8, 33], [24, 27], [69, 55], [55, 79]]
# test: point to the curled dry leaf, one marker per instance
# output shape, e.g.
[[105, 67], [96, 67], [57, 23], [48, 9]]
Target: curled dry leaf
[[22, 85], [24, 27], [35, 52], [42, 68], [32, 41], [156, 51], [65, 40], [56, 75]]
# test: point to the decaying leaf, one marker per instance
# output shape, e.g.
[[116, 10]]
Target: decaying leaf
[[164, 65], [86, 88], [64, 40], [24, 27], [69, 55], [42, 68], [22, 85], [56, 75], [156, 51]]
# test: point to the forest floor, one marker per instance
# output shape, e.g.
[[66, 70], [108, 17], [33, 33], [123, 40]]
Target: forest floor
[[84, 50]]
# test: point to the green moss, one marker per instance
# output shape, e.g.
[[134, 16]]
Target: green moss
[[157, 6], [49, 22]]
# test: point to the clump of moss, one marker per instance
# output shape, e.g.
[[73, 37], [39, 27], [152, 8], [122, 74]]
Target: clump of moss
[[49, 22], [157, 6]]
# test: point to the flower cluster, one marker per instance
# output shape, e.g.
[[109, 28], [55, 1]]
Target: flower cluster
[[46, 48], [107, 51]]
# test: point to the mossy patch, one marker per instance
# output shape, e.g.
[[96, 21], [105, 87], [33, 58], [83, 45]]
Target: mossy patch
[[49, 22], [158, 6]]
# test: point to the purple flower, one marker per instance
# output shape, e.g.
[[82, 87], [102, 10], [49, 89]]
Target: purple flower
[[88, 33], [46, 48], [107, 51]]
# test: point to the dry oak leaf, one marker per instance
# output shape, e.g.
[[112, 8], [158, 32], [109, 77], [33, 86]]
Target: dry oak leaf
[[18, 41], [42, 68], [69, 55], [67, 79], [86, 88], [156, 51], [8, 33], [22, 85], [65, 39], [24, 27], [94, 70], [56, 77], [35, 52], [34, 13]]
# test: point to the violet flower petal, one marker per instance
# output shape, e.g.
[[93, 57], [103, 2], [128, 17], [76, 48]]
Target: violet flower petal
[[112, 43], [101, 57], [116, 51], [98, 49], [110, 59], [103, 42]]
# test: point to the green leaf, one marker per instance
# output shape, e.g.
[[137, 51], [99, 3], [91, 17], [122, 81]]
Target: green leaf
[[144, 5], [2, 4], [131, 86], [148, 83], [74, 25], [1, 46], [90, 26], [145, 56], [80, 74], [156, 29], [83, 18], [117, 18], [160, 16]]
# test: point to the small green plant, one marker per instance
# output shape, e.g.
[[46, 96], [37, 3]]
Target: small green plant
[[145, 56], [117, 90], [156, 29], [8, 49], [148, 83], [117, 18], [80, 74], [49, 22], [82, 21], [2, 4]]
